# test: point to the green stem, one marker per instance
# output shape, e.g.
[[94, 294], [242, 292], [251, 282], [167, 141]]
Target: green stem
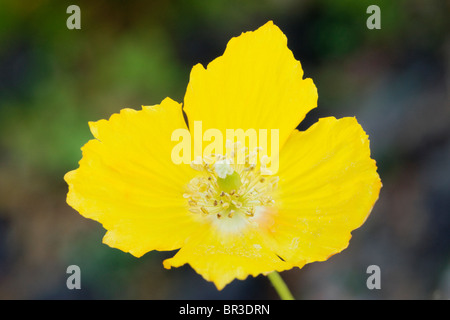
[[280, 286]]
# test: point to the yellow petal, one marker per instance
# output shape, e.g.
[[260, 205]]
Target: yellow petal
[[221, 257], [256, 84], [127, 181], [328, 186]]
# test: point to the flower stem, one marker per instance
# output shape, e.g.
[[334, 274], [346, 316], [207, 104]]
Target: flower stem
[[280, 286]]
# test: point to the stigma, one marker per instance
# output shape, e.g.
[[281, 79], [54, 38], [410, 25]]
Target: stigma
[[228, 188]]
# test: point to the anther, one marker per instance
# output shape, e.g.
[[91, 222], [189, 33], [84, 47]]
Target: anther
[[236, 204], [204, 210], [250, 212]]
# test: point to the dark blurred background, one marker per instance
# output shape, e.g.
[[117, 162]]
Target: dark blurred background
[[131, 53]]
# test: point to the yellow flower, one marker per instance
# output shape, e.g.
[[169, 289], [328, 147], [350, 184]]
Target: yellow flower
[[228, 219]]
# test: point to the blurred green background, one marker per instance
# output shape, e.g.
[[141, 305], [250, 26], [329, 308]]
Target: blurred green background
[[132, 53]]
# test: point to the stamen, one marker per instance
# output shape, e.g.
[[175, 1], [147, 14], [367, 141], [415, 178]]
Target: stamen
[[231, 185]]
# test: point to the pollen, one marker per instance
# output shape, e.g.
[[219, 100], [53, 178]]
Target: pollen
[[227, 189]]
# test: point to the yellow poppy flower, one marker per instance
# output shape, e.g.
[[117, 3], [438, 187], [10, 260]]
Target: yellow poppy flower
[[229, 219]]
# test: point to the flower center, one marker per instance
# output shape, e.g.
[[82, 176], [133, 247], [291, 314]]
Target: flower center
[[227, 189]]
